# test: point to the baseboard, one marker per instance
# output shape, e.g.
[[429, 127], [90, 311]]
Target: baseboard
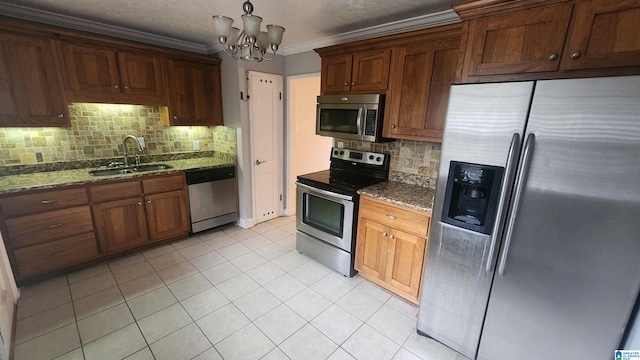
[[246, 223]]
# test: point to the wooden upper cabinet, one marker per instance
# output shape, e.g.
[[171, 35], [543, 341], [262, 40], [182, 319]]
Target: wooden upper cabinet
[[195, 93], [362, 72], [521, 42], [604, 35], [31, 91], [419, 89], [105, 75], [508, 40]]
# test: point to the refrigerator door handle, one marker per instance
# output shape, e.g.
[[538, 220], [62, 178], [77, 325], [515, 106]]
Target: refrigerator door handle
[[522, 175], [505, 190]]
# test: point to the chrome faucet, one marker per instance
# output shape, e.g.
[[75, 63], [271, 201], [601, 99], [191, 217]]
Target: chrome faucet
[[124, 145]]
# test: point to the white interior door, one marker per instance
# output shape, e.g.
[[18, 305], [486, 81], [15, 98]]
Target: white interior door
[[265, 117]]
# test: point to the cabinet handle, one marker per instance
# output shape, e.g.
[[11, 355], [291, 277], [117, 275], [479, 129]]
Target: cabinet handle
[[61, 253], [139, 202], [346, 83], [45, 202], [393, 126], [53, 226], [575, 55], [60, 116], [391, 217], [553, 56], [352, 84], [116, 86], [384, 234], [391, 237], [148, 201]]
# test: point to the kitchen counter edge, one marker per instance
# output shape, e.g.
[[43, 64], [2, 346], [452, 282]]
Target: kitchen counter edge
[[411, 196], [53, 179]]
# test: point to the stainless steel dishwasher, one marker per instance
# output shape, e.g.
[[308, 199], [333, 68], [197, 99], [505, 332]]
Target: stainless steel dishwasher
[[212, 197]]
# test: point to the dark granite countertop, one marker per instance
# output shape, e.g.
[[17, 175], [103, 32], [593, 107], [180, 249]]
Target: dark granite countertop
[[411, 196], [53, 179]]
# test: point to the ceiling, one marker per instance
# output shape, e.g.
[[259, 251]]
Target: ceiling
[[187, 24]]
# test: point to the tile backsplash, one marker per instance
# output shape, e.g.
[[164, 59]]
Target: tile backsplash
[[412, 162], [97, 131]]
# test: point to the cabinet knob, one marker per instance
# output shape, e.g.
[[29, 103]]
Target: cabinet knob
[[175, 117], [575, 55], [553, 56], [393, 126], [126, 87], [391, 237], [60, 116], [391, 217], [139, 202], [346, 83], [116, 86], [148, 201], [384, 234], [353, 83]]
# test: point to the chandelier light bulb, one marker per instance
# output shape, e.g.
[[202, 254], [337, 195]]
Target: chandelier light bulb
[[250, 43]]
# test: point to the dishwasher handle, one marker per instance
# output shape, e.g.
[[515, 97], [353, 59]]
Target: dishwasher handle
[[209, 175]]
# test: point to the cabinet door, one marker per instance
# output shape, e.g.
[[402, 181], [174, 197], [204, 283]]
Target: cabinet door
[[195, 93], [406, 258], [371, 248], [120, 224], [604, 34], [31, 91], [336, 74], [90, 71], [370, 71], [141, 75], [519, 42], [167, 215], [419, 90]]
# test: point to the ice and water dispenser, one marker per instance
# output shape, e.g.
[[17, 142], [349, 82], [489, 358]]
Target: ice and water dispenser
[[471, 196]]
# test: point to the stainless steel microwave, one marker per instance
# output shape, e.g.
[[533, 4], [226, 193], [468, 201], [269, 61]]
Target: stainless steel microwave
[[355, 117]]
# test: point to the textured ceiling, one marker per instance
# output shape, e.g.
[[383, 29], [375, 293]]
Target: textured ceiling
[[190, 20]]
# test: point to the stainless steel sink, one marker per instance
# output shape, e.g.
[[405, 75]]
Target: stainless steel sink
[[129, 170]]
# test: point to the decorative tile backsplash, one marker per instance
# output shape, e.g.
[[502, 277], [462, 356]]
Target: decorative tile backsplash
[[412, 162], [97, 131]]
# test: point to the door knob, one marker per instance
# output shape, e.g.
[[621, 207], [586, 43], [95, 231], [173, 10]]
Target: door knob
[[258, 162]]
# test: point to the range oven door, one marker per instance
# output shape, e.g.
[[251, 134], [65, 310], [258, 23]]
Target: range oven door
[[325, 215]]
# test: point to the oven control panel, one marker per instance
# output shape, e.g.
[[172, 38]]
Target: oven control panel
[[364, 157]]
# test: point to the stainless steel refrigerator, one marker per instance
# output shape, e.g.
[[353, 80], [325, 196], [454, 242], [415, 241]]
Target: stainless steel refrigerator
[[534, 248]]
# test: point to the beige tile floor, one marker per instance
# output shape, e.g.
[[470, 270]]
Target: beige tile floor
[[226, 294]]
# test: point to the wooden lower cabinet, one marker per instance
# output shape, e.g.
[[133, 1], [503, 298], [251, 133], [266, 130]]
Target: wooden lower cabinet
[[53, 255], [152, 214], [120, 224], [390, 249], [167, 214]]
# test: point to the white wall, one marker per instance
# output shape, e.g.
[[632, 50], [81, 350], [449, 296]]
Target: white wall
[[306, 152], [8, 296]]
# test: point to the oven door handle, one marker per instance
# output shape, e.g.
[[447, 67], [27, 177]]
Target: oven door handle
[[323, 193]]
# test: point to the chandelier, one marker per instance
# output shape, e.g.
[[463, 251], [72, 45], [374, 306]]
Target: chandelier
[[252, 43]]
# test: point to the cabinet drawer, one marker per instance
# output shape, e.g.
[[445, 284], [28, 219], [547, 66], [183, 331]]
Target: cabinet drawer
[[163, 184], [115, 191], [53, 225], [43, 201], [55, 254], [413, 221]]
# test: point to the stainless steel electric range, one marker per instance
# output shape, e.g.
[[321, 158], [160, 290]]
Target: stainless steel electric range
[[327, 206]]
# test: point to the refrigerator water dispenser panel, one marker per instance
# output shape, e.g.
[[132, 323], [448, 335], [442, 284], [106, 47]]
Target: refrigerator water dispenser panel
[[471, 196]]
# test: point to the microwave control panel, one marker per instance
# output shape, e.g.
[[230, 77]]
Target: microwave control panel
[[370, 122]]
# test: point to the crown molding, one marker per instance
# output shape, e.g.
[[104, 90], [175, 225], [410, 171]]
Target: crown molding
[[46, 17], [416, 23], [50, 18]]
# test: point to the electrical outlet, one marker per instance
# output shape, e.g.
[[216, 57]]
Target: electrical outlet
[[340, 145], [196, 145], [141, 141]]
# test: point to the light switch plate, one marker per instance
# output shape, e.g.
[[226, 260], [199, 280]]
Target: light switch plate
[[141, 141], [196, 145]]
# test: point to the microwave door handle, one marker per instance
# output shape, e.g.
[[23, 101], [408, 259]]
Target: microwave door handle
[[360, 124]]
